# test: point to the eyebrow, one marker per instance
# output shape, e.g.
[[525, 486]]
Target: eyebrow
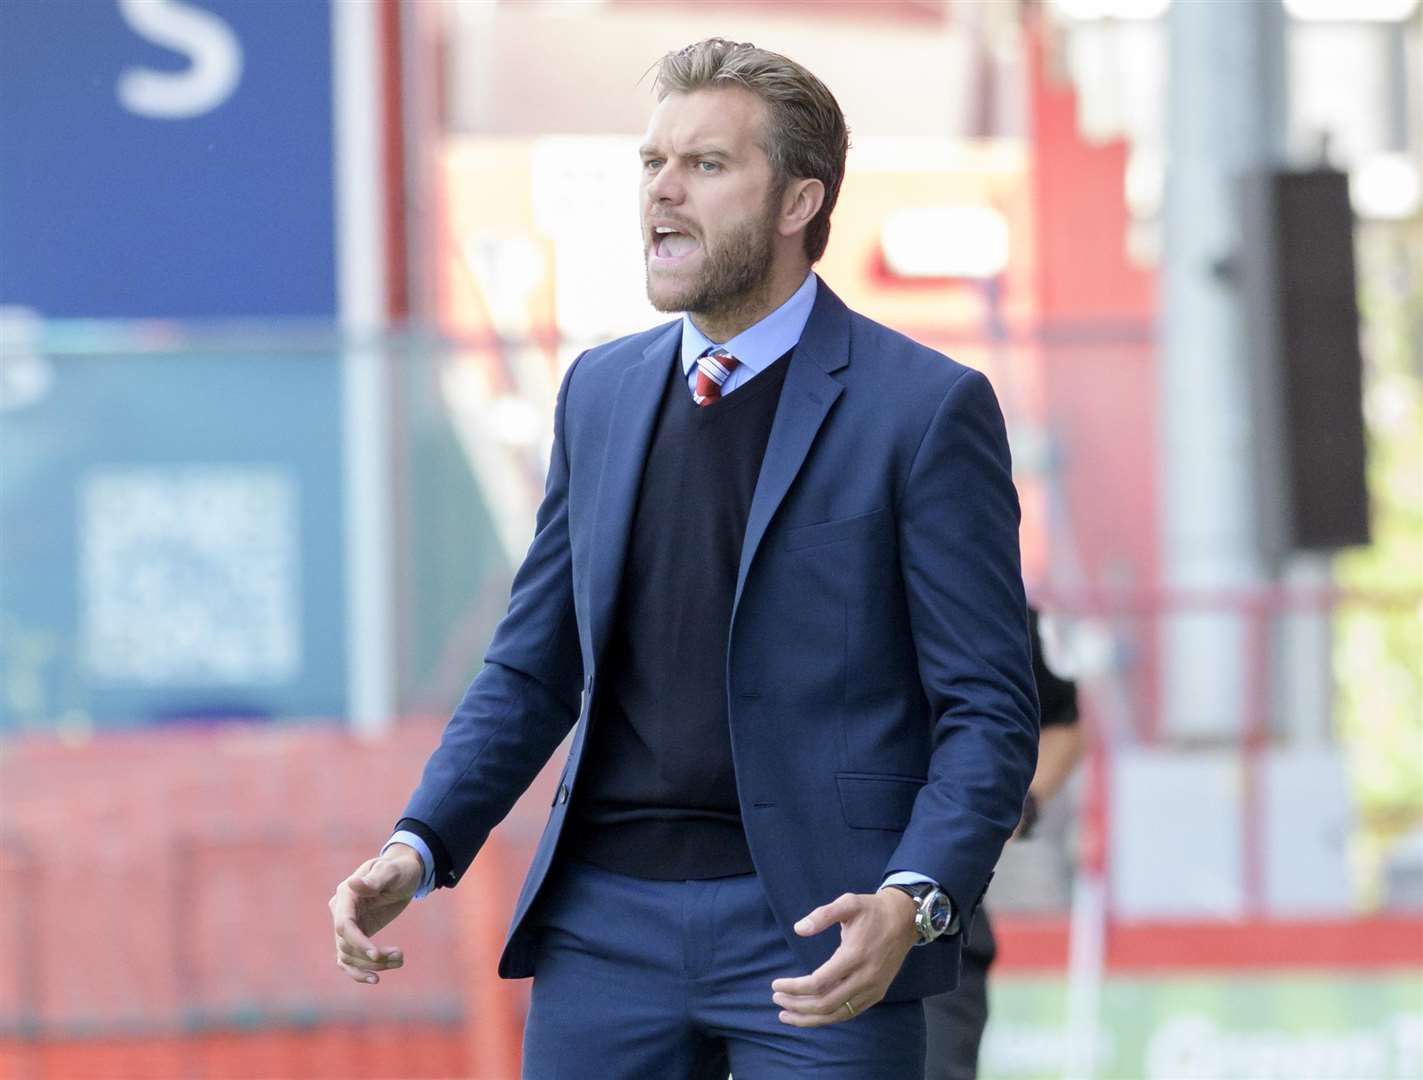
[[696, 152]]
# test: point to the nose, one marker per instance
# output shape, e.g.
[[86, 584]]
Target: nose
[[664, 187]]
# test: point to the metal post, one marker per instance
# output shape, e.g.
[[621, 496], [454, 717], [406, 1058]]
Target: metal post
[[360, 250], [1226, 116]]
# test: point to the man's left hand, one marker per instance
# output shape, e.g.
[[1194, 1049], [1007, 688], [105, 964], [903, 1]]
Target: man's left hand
[[876, 933]]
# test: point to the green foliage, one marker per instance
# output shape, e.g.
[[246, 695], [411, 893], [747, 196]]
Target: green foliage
[[1379, 646]]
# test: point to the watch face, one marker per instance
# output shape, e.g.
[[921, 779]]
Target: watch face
[[940, 911]]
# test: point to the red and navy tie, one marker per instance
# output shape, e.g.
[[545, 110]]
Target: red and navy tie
[[714, 367]]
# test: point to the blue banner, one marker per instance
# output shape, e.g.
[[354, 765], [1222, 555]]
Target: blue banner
[[171, 503], [166, 158]]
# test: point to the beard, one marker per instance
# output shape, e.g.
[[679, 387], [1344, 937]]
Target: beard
[[735, 273]]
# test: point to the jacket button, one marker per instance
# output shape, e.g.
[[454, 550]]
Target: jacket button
[[562, 793]]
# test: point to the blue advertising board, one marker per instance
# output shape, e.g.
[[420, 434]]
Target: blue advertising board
[[170, 540], [166, 158], [172, 508]]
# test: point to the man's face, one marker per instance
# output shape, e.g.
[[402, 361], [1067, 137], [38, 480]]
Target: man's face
[[709, 201]]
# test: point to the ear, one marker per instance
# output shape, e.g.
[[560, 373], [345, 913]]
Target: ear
[[799, 205]]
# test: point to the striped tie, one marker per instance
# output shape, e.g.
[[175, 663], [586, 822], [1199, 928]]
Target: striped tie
[[714, 367]]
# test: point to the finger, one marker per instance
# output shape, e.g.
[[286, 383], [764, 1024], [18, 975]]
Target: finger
[[817, 1006], [342, 903], [383, 876], [385, 960], [827, 915], [800, 1020], [347, 931], [861, 993], [343, 915], [363, 884], [390, 956], [362, 889], [856, 987], [846, 1006], [829, 975], [368, 977]]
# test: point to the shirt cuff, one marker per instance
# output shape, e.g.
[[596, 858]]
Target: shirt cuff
[[909, 877], [427, 860]]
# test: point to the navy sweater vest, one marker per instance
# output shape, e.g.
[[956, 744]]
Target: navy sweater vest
[[656, 796]]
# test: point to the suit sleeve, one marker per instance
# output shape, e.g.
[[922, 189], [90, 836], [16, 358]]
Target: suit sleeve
[[523, 701], [958, 534]]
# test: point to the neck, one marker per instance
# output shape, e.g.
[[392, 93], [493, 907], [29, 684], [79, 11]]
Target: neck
[[750, 307]]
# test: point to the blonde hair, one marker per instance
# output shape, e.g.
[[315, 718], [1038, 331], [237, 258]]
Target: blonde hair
[[806, 138]]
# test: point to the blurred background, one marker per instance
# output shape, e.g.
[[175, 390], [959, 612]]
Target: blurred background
[[286, 291]]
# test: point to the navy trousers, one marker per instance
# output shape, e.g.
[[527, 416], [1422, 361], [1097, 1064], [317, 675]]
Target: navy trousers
[[666, 980], [955, 1021]]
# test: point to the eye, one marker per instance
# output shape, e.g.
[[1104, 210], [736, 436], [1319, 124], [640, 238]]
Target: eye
[[651, 164], [708, 166]]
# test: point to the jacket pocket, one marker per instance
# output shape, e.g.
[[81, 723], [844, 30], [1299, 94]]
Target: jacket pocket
[[827, 532], [877, 801]]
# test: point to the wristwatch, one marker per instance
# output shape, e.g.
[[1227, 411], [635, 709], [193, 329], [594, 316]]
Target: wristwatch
[[934, 910]]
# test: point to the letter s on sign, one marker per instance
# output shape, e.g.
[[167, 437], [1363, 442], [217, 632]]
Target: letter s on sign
[[213, 51]]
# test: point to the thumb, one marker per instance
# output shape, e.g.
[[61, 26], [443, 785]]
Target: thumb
[[388, 876], [827, 915], [371, 883]]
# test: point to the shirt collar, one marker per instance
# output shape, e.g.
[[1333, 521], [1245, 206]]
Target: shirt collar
[[759, 345]]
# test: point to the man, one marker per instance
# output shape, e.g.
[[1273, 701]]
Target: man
[[775, 584], [955, 1021]]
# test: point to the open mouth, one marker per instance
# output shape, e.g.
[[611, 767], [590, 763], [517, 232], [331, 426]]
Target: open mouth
[[672, 245]]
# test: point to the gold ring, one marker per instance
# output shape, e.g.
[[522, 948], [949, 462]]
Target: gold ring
[[850, 1009]]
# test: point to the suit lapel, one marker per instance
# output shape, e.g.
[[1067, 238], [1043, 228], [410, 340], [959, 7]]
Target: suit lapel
[[632, 419], [806, 399]]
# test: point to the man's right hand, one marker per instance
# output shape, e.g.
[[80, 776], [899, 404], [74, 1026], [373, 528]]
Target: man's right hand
[[368, 900]]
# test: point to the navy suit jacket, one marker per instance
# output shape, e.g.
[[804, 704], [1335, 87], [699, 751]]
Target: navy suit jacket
[[878, 669]]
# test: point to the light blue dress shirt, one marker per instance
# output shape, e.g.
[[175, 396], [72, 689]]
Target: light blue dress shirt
[[756, 348]]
